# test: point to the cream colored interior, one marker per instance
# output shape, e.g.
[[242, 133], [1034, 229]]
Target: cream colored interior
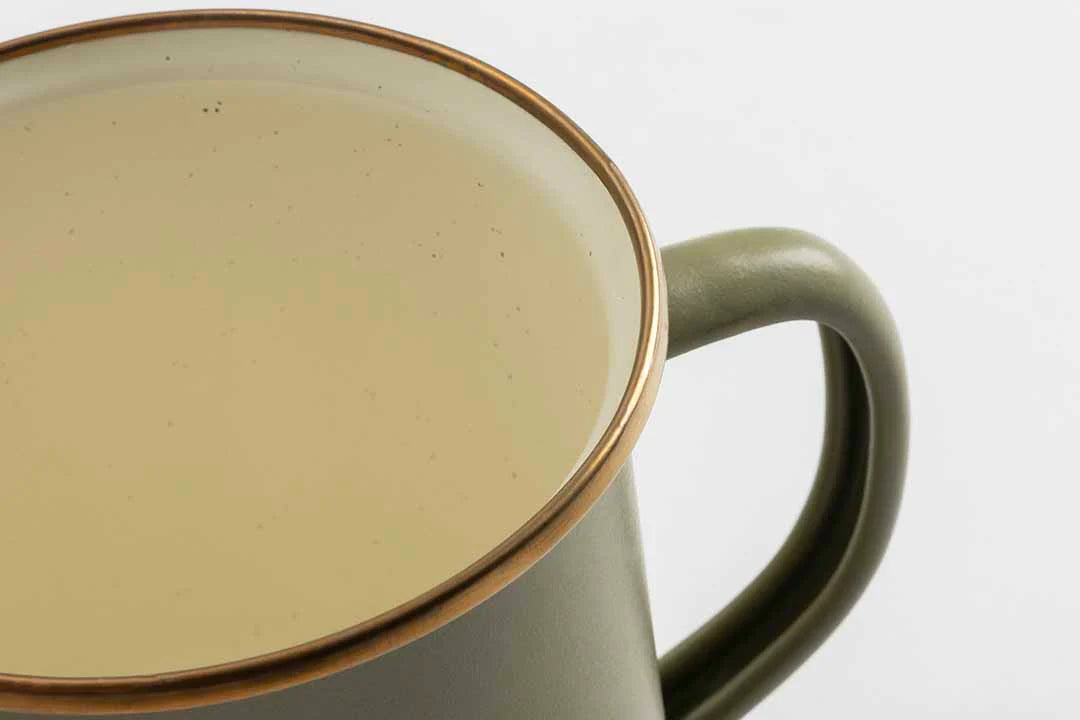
[[206, 463]]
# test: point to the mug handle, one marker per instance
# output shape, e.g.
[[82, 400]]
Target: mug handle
[[725, 284]]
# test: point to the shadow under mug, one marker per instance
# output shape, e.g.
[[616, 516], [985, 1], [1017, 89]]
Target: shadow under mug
[[553, 622]]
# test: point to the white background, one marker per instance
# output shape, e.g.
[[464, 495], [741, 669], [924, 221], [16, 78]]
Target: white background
[[938, 143]]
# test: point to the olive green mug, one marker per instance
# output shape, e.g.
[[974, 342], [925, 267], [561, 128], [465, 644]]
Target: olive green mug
[[553, 622]]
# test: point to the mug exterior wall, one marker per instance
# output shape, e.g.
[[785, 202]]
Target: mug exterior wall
[[571, 638]]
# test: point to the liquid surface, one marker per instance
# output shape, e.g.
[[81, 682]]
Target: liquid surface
[[273, 360]]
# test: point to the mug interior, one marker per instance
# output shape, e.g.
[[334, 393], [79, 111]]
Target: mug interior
[[394, 82]]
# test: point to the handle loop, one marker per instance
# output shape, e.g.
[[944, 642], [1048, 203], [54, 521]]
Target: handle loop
[[722, 285]]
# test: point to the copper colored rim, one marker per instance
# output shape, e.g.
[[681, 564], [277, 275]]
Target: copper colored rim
[[466, 589]]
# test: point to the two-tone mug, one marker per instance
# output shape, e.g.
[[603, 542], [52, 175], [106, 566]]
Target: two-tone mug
[[553, 621]]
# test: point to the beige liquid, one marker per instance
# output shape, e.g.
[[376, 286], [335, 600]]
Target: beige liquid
[[273, 360]]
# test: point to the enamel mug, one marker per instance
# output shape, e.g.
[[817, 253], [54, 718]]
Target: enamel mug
[[554, 621]]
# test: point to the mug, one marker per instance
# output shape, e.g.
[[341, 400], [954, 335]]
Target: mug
[[554, 621]]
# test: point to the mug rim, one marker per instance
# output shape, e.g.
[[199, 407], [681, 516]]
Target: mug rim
[[498, 567]]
